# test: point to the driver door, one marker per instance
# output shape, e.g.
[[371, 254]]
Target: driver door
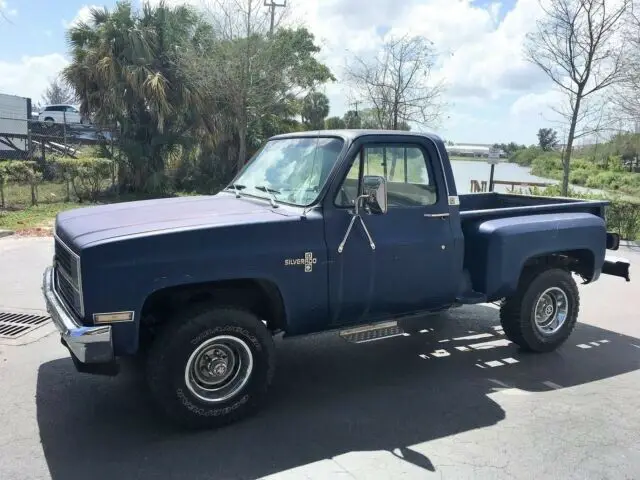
[[410, 268]]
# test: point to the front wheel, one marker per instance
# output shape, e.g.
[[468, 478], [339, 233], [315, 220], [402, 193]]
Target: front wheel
[[210, 367], [543, 312]]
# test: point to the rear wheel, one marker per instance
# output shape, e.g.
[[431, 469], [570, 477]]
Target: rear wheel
[[210, 367], [543, 312]]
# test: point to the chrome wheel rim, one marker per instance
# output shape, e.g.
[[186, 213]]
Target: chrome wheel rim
[[219, 368], [551, 311]]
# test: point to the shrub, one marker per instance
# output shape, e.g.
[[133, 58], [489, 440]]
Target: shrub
[[622, 215], [526, 156], [23, 172], [578, 177], [547, 165], [87, 176]]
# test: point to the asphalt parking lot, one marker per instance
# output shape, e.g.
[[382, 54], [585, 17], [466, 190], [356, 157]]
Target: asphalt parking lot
[[453, 399]]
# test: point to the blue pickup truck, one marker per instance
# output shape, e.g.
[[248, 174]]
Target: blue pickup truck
[[319, 231]]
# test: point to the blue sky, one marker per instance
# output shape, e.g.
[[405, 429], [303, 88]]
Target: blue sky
[[492, 93]]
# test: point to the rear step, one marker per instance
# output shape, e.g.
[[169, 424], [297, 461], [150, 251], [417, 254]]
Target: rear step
[[372, 332], [618, 267], [471, 298]]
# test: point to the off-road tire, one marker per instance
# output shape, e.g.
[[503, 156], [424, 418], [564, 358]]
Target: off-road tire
[[168, 355], [517, 314]]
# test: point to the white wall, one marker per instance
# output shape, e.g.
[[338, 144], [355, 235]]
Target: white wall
[[13, 119]]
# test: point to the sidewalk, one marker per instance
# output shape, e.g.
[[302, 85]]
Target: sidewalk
[[22, 261]]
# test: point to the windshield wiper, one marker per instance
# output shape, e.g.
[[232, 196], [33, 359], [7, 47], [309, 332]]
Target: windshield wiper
[[273, 192], [236, 187]]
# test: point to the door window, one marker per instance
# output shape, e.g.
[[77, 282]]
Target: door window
[[406, 170]]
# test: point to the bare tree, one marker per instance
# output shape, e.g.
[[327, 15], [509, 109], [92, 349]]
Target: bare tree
[[397, 84], [247, 21], [252, 76], [577, 46], [626, 95], [58, 91]]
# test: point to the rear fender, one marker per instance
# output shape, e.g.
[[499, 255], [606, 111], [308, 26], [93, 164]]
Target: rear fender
[[497, 251]]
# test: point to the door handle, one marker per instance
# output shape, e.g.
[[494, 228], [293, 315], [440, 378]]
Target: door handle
[[436, 215]]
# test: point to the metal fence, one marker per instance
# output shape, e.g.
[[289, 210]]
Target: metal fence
[[32, 139]]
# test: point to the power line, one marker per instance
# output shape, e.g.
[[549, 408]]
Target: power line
[[272, 4]]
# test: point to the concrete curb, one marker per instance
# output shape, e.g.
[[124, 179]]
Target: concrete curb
[[629, 243], [5, 233]]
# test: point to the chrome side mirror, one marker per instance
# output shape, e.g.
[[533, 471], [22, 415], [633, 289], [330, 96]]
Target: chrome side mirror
[[374, 194]]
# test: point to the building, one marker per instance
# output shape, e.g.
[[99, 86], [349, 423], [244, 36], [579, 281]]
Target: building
[[471, 150]]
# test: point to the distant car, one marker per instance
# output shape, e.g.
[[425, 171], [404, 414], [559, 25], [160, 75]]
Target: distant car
[[61, 113]]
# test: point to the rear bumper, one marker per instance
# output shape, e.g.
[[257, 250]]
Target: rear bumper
[[88, 345]]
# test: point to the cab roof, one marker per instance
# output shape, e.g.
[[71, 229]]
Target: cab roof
[[352, 134]]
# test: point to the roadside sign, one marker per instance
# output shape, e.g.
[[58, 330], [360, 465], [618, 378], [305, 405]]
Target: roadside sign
[[494, 156]]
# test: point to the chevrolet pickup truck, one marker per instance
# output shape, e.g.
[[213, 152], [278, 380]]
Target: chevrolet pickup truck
[[320, 231]]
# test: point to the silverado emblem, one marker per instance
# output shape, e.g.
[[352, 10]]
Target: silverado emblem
[[308, 261]]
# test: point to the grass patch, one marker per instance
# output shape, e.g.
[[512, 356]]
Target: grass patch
[[20, 215], [472, 159], [39, 216], [19, 195]]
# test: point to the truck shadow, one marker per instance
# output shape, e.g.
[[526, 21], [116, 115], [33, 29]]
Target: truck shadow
[[329, 398]]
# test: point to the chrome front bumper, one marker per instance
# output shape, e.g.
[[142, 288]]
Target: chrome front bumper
[[88, 345]]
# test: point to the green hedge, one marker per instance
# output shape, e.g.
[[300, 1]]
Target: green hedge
[[622, 215], [17, 171], [86, 177]]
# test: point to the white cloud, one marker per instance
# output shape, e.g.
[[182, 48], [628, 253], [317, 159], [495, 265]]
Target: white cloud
[[31, 75], [83, 15], [5, 10], [538, 104], [481, 63], [482, 59]]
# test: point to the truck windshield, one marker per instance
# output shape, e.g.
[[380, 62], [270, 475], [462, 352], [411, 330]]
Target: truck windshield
[[291, 170]]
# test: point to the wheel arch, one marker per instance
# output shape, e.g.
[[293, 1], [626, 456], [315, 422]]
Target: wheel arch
[[260, 296], [581, 261]]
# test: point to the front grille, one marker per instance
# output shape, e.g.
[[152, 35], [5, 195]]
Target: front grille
[[67, 277], [68, 292], [67, 261], [63, 257]]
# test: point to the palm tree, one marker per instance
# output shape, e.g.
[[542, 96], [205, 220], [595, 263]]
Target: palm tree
[[315, 108], [124, 72]]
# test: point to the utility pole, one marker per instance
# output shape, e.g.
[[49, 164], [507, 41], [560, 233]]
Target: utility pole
[[272, 4]]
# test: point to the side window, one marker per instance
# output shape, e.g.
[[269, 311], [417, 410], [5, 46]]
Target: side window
[[406, 170]]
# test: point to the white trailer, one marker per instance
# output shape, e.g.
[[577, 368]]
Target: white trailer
[[15, 113]]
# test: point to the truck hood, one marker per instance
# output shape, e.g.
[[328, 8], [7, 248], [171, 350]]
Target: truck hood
[[80, 227]]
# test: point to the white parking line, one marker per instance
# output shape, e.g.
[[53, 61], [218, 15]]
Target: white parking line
[[440, 353], [551, 384], [494, 363], [475, 337], [499, 383]]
